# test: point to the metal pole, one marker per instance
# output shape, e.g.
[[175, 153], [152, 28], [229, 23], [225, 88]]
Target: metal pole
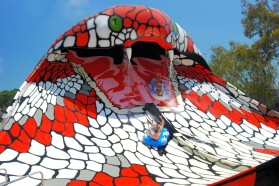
[[42, 180], [6, 177]]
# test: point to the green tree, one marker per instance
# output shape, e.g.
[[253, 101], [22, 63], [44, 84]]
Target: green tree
[[6, 98], [250, 67], [261, 22], [243, 67]]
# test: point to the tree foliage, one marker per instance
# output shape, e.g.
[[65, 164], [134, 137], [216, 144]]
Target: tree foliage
[[241, 66], [261, 22], [250, 67], [6, 97]]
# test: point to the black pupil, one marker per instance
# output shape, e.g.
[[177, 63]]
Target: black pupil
[[115, 19]]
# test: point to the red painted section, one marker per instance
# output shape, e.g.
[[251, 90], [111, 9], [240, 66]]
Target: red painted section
[[51, 71], [141, 29], [250, 117], [30, 127], [148, 31], [91, 111], [274, 119], [19, 146], [246, 178], [216, 108], [163, 32], [190, 44], [126, 181], [69, 130], [2, 148], [121, 92], [93, 184], [128, 172], [268, 151], [156, 32], [162, 20], [199, 73], [139, 169], [82, 39], [76, 28], [271, 123], [122, 11], [46, 124], [136, 25], [59, 114], [68, 33], [69, 103], [82, 119], [236, 116], [80, 107], [132, 15], [143, 16], [145, 180], [70, 116], [43, 138], [58, 126], [103, 179], [107, 12], [130, 176], [15, 129], [127, 23], [24, 137], [153, 22]]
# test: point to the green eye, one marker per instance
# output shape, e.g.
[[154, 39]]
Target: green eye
[[115, 23], [175, 28]]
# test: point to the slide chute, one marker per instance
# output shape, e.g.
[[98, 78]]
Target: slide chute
[[79, 117]]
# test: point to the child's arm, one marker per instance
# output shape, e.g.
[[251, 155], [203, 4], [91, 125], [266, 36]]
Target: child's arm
[[149, 127], [162, 121]]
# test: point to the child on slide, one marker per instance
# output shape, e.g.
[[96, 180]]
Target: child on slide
[[155, 130], [158, 88], [156, 135]]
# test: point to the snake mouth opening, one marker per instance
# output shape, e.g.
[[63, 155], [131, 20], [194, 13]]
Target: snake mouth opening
[[150, 50], [124, 81]]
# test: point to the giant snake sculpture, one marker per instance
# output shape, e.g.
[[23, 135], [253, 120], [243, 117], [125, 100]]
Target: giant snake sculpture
[[80, 115]]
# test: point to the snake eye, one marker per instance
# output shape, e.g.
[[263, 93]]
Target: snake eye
[[115, 23], [175, 28]]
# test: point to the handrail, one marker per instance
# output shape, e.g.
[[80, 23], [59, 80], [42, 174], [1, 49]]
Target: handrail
[[6, 177], [42, 175]]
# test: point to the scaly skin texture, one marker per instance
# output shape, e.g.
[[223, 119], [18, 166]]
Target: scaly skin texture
[[144, 24], [78, 117]]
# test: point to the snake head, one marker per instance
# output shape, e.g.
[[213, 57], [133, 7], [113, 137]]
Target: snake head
[[122, 48]]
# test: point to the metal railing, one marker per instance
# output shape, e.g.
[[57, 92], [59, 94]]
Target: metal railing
[[7, 183], [6, 177]]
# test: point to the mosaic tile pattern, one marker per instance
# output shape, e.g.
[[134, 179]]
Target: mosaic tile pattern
[[77, 120]]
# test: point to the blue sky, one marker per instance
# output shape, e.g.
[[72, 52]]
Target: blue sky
[[27, 28]]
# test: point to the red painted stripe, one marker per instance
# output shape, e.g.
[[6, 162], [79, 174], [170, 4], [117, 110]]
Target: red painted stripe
[[246, 178], [268, 151]]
